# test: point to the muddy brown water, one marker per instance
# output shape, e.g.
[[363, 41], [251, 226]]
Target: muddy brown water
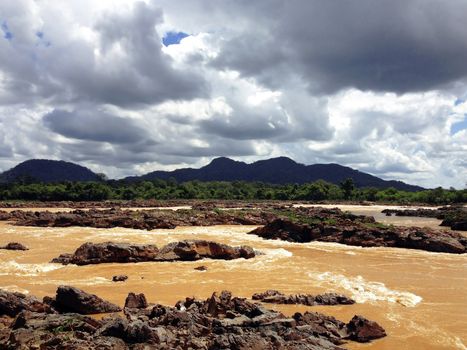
[[420, 298]]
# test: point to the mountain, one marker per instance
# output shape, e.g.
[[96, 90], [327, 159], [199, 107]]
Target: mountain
[[279, 170], [44, 170]]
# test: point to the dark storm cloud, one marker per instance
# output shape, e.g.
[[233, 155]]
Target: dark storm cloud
[[95, 126], [387, 45], [123, 65]]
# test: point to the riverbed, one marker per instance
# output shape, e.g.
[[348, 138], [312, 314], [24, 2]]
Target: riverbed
[[419, 297]]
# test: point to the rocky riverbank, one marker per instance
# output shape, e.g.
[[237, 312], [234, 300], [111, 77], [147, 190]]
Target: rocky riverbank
[[108, 252], [142, 220], [454, 217], [220, 322]]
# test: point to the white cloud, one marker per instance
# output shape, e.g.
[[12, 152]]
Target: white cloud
[[252, 80]]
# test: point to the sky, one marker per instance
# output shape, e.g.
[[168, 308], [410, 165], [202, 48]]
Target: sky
[[126, 87]]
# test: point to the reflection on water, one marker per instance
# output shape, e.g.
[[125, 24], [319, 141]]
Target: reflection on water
[[419, 297]]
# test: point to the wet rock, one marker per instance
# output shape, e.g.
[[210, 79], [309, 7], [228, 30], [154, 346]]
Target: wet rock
[[362, 330], [199, 249], [275, 297], [119, 278], [109, 252], [14, 246], [136, 301], [71, 299], [219, 322], [366, 235], [12, 303], [453, 216]]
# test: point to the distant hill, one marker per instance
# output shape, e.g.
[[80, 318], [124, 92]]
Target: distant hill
[[279, 170], [43, 170]]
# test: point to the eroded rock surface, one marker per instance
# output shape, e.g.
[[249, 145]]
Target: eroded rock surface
[[364, 235], [276, 297], [220, 322], [189, 250]]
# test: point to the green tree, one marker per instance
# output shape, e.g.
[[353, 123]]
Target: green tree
[[347, 186]]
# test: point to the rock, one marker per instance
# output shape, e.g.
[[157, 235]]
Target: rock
[[199, 249], [219, 322], [12, 303], [275, 297], [14, 246], [359, 233], [201, 268], [108, 252], [362, 330], [119, 278], [286, 230], [136, 301], [71, 299]]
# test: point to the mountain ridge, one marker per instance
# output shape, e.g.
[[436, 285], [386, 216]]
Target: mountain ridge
[[278, 170], [47, 170]]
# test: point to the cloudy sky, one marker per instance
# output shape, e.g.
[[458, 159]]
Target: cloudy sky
[[126, 87]]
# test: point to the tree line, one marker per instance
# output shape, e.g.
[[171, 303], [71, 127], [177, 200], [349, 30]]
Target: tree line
[[237, 190]]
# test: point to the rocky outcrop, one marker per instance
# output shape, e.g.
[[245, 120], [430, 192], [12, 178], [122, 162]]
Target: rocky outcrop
[[141, 220], [454, 217], [220, 322], [366, 235], [71, 299], [14, 246], [276, 297], [12, 303], [136, 301], [199, 249], [190, 250], [109, 252]]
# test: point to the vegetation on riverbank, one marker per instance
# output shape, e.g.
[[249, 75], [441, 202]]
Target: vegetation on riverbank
[[237, 190]]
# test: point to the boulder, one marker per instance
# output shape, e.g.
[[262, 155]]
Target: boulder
[[12, 303], [136, 301], [119, 278], [14, 246], [362, 330], [71, 299]]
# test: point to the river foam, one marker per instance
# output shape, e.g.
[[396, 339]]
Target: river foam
[[368, 291], [14, 268]]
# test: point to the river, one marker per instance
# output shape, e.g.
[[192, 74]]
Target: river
[[420, 298]]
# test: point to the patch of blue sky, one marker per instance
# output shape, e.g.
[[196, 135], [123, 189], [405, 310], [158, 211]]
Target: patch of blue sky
[[173, 38], [42, 40], [7, 34], [459, 126]]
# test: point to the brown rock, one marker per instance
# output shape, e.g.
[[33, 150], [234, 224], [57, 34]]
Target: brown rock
[[71, 299], [119, 278], [12, 303], [14, 246], [136, 301], [362, 330], [275, 297]]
